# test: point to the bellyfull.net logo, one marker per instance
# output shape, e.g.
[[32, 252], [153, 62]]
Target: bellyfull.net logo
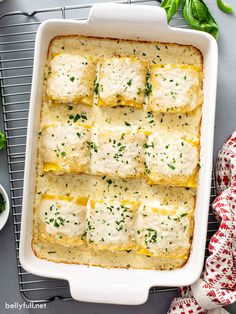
[[21, 306]]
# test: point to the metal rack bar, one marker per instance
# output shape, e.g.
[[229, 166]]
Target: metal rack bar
[[18, 29]]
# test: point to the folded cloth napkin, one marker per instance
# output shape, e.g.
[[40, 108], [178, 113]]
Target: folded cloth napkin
[[217, 285]]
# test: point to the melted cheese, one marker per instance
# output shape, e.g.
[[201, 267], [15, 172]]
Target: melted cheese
[[65, 148], [62, 219], [122, 82], [172, 160], [164, 231], [118, 153], [111, 224], [175, 88], [119, 111], [71, 79]]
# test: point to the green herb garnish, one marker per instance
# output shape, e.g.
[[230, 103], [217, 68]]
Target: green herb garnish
[[96, 86], [129, 82], [171, 166], [3, 140], [63, 154], [148, 88], [93, 146], [171, 7], [2, 203], [77, 117], [198, 16]]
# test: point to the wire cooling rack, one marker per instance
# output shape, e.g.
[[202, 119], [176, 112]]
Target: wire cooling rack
[[17, 37]]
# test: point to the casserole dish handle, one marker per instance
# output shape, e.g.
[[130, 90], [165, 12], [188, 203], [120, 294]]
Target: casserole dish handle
[[102, 13], [123, 292]]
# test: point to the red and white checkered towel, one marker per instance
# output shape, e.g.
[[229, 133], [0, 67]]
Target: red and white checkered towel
[[217, 285]]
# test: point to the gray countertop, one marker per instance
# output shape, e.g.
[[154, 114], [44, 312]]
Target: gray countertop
[[225, 124]]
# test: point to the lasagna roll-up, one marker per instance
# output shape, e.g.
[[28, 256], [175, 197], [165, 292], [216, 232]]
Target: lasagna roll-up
[[164, 231], [62, 219], [121, 82], [71, 79], [172, 160], [65, 148], [111, 224], [175, 88], [117, 153]]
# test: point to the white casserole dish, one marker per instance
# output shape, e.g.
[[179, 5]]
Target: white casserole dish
[[120, 286]]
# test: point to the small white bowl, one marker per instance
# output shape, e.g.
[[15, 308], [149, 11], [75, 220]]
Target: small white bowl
[[4, 215]]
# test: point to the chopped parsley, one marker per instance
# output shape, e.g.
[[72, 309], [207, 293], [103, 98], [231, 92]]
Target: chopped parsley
[[2, 203], [59, 152], [171, 166], [96, 87], [89, 226], [150, 237], [147, 170], [82, 116], [148, 145], [129, 82], [57, 221], [150, 118], [93, 146], [148, 88], [139, 91], [120, 151], [77, 117], [72, 78], [109, 181]]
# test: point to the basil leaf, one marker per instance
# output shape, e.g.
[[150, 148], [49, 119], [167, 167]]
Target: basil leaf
[[3, 140], [171, 7], [224, 7], [199, 17]]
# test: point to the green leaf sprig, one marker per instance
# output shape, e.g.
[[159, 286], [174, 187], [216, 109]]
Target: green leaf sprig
[[196, 13], [171, 7], [198, 16], [3, 140]]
